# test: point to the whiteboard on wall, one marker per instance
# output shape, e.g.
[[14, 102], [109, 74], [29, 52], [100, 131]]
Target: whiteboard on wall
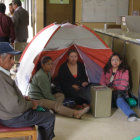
[[103, 10]]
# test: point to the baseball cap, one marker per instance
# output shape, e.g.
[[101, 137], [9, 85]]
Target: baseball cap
[[5, 47]]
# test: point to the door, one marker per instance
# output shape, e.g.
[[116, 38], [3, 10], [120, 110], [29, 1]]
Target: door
[[59, 11]]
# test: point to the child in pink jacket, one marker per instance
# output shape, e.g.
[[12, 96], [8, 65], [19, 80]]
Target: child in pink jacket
[[116, 76]]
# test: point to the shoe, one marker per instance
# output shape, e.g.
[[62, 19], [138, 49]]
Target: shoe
[[133, 117], [80, 113]]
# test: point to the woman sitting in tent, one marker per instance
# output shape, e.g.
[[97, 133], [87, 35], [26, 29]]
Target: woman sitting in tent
[[73, 80], [40, 89], [116, 76]]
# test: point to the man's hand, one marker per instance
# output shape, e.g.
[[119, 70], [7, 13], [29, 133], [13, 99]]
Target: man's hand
[[35, 104], [84, 84], [76, 87]]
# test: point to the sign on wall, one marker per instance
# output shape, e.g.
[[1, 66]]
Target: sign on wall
[[103, 10], [59, 1]]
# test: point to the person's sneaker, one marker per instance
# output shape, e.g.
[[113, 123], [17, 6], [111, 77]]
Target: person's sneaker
[[133, 117]]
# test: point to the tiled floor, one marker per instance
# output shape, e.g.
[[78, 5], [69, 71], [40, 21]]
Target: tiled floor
[[115, 127]]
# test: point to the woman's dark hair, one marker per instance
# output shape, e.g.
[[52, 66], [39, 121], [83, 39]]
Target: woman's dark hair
[[44, 60], [2, 8], [71, 51], [123, 66]]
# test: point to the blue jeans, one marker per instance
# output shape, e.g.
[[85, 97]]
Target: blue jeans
[[122, 104], [44, 120]]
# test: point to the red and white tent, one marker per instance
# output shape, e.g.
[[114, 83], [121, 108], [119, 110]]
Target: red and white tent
[[55, 40]]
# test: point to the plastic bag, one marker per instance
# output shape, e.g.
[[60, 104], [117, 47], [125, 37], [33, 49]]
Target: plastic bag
[[132, 102]]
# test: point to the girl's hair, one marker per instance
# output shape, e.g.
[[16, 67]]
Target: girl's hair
[[123, 66], [72, 51], [44, 60]]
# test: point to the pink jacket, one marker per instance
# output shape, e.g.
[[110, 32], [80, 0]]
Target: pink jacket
[[120, 82]]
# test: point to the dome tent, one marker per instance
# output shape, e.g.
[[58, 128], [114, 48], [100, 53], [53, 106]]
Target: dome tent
[[55, 40]]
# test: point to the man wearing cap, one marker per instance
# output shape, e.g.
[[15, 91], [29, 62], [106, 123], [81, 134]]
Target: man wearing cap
[[21, 21], [15, 110], [7, 33]]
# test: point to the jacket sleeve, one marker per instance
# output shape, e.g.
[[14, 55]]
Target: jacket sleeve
[[11, 99], [15, 19], [83, 73], [124, 81], [45, 86], [63, 81], [12, 32], [61, 75]]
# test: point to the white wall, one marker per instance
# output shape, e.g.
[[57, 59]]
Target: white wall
[[133, 23], [7, 2]]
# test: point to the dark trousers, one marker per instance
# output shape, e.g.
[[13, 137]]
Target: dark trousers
[[81, 96], [44, 120]]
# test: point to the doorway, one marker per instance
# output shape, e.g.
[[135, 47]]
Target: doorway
[[59, 11]]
